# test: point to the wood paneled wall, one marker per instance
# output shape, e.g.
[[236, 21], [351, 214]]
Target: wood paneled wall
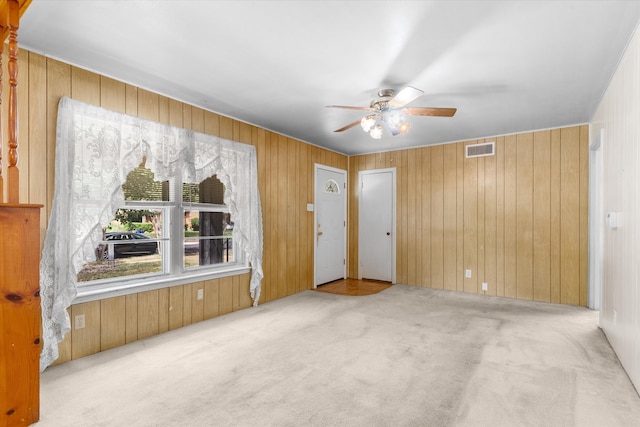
[[285, 179], [116, 321], [518, 219]]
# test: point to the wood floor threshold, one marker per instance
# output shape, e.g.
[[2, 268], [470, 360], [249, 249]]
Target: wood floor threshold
[[353, 287]]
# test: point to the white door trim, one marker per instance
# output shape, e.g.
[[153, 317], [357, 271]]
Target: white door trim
[[316, 167], [596, 217], [393, 219]]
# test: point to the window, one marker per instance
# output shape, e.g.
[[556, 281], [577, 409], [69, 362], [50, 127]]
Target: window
[[208, 225], [331, 186], [209, 240], [96, 150], [140, 241]]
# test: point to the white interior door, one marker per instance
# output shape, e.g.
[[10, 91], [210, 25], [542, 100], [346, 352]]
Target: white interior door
[[330, 224], [377, 225]]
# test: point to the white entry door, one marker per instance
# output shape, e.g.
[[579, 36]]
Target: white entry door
[[330, 224], [377, 225]]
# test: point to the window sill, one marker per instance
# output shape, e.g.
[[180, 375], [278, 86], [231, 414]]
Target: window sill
[[99, 291]]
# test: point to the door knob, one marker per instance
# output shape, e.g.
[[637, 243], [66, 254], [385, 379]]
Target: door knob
[[388, 234], [320, 233]]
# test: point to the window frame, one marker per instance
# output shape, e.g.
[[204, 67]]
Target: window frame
[[174, 272], [210, 207]]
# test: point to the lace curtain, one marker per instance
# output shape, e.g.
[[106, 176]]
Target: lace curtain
[[95, 151]]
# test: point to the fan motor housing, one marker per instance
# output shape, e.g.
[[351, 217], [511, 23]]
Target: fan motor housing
[[386, 93], [384, 96]]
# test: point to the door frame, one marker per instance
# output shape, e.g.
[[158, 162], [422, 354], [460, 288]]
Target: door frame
[[393, 218], [316, 167], [596, 216]]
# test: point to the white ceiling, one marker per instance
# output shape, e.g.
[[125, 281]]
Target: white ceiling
[[508, 66]]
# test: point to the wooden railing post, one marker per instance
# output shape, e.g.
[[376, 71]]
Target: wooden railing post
[[12, 171], [1, 178]]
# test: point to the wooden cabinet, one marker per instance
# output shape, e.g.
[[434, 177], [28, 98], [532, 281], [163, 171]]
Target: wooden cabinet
[[20, 314]]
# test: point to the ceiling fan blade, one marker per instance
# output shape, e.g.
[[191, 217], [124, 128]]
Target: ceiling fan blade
[[346, 107], [405, 96], [428, 111], [349, 126]]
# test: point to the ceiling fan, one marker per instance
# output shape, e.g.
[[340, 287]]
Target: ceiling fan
[[389, 108]]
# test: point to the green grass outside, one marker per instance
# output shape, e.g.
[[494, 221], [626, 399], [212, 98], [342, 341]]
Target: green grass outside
[[120, 267]]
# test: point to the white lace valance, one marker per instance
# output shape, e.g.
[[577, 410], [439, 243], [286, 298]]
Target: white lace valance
[[95, 151]]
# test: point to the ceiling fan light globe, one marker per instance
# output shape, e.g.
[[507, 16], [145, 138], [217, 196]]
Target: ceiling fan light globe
[[395, 118], [403, 128], [376, 132], [367, 123]]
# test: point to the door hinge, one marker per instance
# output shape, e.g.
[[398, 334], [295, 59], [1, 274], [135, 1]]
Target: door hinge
[[344, 262]]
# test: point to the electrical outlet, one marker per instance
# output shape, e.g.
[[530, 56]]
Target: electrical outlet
[[485, 286], [467, 273], [79, 321], [200, 294]]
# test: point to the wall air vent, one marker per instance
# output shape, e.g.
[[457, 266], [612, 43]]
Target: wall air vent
[[480, 150]]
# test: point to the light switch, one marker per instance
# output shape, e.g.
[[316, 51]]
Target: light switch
[[612, 220]]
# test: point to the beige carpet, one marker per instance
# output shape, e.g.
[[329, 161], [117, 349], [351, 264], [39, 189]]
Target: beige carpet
[[404, 357]]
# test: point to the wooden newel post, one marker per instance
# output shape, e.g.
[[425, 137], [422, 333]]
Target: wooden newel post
[[12, 171], [20, 315], [1, 179]]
